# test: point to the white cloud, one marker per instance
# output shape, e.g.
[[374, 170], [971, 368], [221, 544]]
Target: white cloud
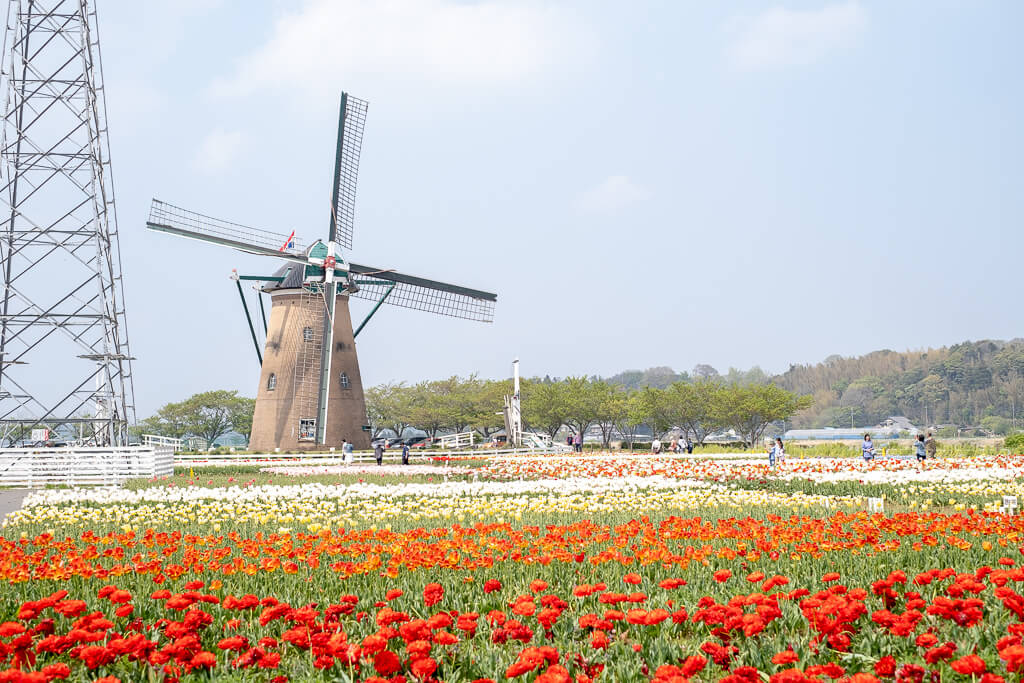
[[780, 37], [327, 42], [217, 150], [612, 194]]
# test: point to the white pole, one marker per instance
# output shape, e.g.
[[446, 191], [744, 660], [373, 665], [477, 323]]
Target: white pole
[[516, 423]]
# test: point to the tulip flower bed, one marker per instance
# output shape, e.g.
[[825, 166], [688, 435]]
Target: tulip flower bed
[[606, 577], [880, 470], [311, 507]]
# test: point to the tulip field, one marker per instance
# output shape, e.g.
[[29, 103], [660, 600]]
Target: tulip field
[[543, 568]]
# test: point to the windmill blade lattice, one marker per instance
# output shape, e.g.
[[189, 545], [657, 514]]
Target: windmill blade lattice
[[346, 171], [421, 294], [199, 226]]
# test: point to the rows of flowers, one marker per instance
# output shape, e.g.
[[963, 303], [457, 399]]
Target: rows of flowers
[[371, 469], [893, 471], [317, 506], [850, 597], [564, 568]]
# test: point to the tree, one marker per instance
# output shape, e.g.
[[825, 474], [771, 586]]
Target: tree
[[691, 408], [997, 425], [1013, 386], [611, 406], [488, 401], [704, 371], [854, 401], [544, 405], [209, 415], [388, 407], [582, 402], [754, 375], [431, 406], [652, 409], [749, 409], [170, 421], [659, 377], [933, 392], [631, 417]]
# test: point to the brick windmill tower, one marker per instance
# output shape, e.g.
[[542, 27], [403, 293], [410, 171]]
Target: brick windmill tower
[[310, 394]]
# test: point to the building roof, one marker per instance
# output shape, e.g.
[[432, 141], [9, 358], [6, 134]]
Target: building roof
[[293, 278]]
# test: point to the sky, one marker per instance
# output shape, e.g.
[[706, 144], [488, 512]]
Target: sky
[[644, 183]]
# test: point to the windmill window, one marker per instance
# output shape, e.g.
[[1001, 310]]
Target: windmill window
[[345, 384], [272, 382], [307, 334], [307, 430]]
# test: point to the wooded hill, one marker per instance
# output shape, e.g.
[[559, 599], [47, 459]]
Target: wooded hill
[[973, 384]]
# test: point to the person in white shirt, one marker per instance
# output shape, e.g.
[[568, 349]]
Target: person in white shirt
[[780, 451]]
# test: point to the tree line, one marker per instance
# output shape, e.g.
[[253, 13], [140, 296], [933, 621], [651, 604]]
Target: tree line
[[694, 408], [973, 384], [970, 384]]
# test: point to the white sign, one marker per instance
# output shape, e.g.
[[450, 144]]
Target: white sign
[[875, 505], [1010, 502], [40, 434]]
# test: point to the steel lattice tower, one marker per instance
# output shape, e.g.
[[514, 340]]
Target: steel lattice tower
[[64, 360]]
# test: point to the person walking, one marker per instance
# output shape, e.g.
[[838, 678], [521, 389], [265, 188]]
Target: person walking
[[771, 453], [689, 446], [780, 451], [348, 451], [920, 450], [673, 447], [405, 453], [378, 452], [867, 448], [931, 447], [568, 441], [578, 442]]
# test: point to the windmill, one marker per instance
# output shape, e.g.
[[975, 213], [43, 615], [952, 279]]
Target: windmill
[[310, 394]]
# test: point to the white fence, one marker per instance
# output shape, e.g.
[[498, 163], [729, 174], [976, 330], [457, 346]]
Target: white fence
[[390, 455], [74, 466], [460, 440], [156, 441]]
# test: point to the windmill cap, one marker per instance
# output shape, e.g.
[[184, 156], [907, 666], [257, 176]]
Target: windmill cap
[[293, 278]]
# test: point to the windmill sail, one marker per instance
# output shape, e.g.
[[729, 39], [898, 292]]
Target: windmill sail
[[418, 293], [174, 220], [351, 120]]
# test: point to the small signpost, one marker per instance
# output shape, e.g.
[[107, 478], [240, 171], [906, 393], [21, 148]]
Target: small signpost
[[39, 435], [1009, 506], [876, 505]]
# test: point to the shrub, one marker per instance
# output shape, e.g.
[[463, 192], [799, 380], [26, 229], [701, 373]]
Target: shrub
[[1015, 443]]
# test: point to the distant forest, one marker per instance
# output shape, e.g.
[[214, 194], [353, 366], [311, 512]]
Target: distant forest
[[970, 385]]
